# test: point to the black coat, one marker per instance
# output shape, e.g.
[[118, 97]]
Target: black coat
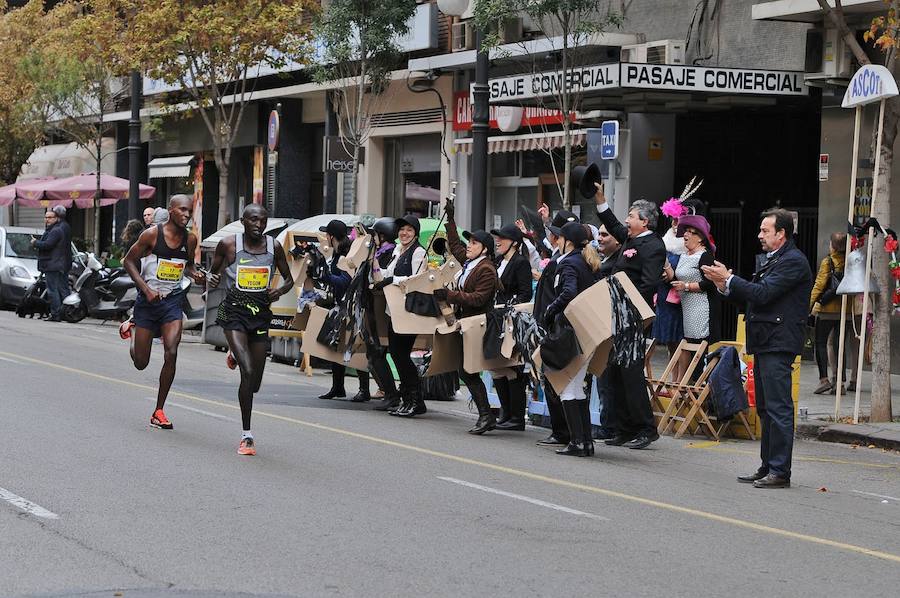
[[545, 292], [55, 248], [644, 265], [777, 299], [608, 265], [515, 281], [573, 275]]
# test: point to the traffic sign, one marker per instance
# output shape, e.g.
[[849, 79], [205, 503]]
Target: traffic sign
[[272, 130], [609, 136]]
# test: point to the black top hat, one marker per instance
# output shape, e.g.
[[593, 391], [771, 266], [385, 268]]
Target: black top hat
[[510, 231], [335, 228], [410, 219], [584, 178], [482, 237]]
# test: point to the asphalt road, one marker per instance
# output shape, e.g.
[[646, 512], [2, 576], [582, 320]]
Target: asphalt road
[[345, 501]]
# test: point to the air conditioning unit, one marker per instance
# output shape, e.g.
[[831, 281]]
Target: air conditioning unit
[[827, 56], [511, 32], [664, 51], [462, 36]]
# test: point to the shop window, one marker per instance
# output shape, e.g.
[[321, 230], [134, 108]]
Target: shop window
[[505, 164]]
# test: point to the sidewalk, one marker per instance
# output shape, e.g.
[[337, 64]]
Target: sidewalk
[[820, 422]]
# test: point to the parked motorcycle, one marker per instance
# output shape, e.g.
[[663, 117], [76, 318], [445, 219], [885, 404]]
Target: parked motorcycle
[[103, 293]]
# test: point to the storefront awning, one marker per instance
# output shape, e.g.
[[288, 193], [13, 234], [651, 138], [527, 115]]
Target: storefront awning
[[170, 167], [525, 143]]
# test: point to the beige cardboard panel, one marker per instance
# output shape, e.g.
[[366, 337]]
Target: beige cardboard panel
[[301, 320], [446, 354], [314, 348], [382, 323], [509, 343], [645, 310], [559, 379], [589, 313], [472, 330], [359, 252], [432, 278], [601, 358], [404, 322]]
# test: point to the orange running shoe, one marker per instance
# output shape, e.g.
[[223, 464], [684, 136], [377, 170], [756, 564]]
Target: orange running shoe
[[125, 329], [230, 361], [159, 420], [246, 447]]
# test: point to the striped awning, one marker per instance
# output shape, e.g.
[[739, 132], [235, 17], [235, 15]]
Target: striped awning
[[170, 167], [525, 143]]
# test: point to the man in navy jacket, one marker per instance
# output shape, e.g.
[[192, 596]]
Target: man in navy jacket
[[777, 307], [55, 258]]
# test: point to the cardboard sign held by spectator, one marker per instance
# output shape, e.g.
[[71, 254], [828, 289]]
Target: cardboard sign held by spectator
[[314, 348]]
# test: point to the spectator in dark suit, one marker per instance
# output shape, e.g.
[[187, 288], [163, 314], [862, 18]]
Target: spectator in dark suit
[[55, 257], [641, 259], [777, 307]]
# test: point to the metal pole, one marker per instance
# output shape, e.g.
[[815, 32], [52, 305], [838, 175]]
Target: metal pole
[[841, 340], [480, 128], [134, 145], [869, 249]]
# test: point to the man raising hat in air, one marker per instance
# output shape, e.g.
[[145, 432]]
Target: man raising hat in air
[[169, 251], [249, 260]]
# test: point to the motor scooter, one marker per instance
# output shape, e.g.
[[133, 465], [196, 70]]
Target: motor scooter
[[103, 293]]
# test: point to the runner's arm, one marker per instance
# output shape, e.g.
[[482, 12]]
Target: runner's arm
[[132, 262], [284, 270], [191, 269], [219, 258]]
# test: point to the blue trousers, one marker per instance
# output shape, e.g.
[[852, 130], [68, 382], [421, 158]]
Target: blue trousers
[[775, 406], [57, 289]]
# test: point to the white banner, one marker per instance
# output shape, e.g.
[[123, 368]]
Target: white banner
[[715, 80], [537, 85]]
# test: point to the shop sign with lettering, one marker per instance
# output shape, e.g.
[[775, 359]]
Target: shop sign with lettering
[[537, 85], [715, 80], [871, 83], [532, 117]]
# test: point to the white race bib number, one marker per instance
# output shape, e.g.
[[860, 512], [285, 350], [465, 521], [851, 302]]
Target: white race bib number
[[168, 270]]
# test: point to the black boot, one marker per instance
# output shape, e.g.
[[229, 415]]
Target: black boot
[[363, 395], [516, 405], [587, 426], [486, 420], [501, 385], [574, 421], [414, 405], [337, 383], [389, 402]]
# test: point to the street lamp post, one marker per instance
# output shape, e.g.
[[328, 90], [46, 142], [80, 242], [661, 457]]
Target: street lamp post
[[134, 145]]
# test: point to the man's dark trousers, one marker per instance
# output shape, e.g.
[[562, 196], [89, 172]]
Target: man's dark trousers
[[630, 399], [57, 289], [775, 406]]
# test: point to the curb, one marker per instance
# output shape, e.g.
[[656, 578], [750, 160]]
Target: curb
[[862, 434]]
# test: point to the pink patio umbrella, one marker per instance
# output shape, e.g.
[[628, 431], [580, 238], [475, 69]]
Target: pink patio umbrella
[[82, 188], [29, 193]]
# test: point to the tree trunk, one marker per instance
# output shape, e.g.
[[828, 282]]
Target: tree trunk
[[354, 183], [97, 194], [567, 170], [882, 305], [222, 167]]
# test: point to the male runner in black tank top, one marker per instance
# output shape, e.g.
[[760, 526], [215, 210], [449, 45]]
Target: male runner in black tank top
[[157, 314], [242, 329]]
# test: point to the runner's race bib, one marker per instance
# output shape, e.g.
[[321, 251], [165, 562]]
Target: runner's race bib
[[252, 278], [170, 270]]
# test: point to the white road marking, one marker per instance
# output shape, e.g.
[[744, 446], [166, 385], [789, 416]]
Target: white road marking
[[26, 505], [11, 360], [876, 495], [195, 410], [528, 499]]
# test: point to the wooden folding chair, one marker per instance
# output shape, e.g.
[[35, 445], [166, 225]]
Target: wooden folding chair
[[693, 397], [675, 390], [741, 418]]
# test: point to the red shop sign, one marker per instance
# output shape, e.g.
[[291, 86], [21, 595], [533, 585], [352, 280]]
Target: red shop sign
[[533, 116]]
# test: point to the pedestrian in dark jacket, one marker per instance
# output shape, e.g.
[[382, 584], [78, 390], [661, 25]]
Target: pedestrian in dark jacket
[[641, 259], [609, 250], [543, 297], [337, 281], [55, 258], [477, 285], [514, 270], [777, 304], [573, 276]]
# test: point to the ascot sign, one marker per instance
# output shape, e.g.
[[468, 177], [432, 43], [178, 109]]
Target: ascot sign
[[871, 83]]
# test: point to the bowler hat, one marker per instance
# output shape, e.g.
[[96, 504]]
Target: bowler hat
[[510, 231], [335, 228], [560, 219], [482, 237]]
